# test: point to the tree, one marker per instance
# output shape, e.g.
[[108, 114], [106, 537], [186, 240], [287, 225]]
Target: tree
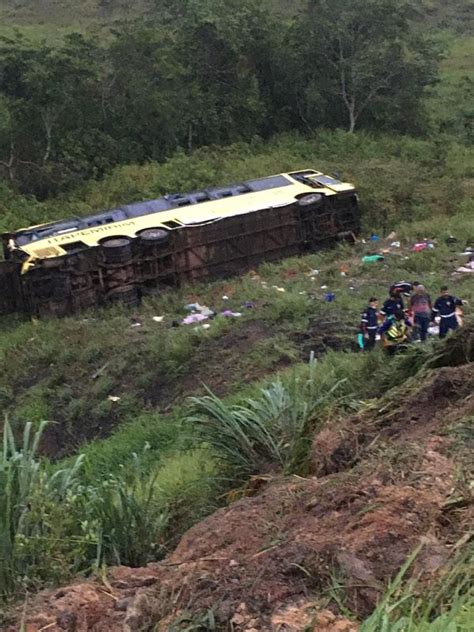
[[364, 56], [51, 94]]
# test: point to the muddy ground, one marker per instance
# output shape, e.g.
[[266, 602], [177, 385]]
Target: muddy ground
[[382, 482]]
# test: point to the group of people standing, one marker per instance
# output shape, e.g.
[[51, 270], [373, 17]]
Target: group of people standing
[[397, 325]]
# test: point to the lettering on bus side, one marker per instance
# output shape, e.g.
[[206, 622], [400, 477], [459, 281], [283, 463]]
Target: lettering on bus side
[[90, 231]]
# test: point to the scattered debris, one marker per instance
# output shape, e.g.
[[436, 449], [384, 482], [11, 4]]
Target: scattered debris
[[372, 258], [329, 297], [200, 309], [228, 313], [422, 245], [113, 398], [193, 318], [451, 240], [99, 372], [374, 237], [158, 319], [278, 289]]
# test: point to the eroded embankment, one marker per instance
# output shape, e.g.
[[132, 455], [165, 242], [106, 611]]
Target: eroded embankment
[[382, 482]]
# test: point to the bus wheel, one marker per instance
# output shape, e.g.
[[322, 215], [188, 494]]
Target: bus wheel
[[154, 236], [128, 295], [53, 262], [312, 199], [117, 249]]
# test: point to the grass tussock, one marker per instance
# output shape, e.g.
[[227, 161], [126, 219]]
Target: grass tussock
[[408, 607]]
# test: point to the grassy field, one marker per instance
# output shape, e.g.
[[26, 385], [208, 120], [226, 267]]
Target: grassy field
[[67, 370]]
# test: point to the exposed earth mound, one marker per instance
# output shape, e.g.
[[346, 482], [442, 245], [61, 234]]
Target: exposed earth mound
[[385, 481]]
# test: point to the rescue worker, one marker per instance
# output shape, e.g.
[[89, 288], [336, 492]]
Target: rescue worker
[[445, 307], [420, 307], [394, 332], [403, 287], [368, 324], [392, 304]]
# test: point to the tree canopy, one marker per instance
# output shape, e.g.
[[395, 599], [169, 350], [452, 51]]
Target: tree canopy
[[196, 73]]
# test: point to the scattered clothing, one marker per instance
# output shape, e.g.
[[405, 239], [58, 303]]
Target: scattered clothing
[[193, 318], [372, 258], [228, 313], [469, 267], [422, 245], [200, 309]]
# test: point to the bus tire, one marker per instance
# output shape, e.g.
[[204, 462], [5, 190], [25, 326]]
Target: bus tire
[[154, 236], [127, 295], [312, 199], [53, 262], [117, 249]]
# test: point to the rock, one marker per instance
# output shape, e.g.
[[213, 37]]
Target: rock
[[67, 621], [122, 604]]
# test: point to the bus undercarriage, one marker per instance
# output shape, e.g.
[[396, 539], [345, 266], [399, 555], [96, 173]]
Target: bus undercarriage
[[121, 269]]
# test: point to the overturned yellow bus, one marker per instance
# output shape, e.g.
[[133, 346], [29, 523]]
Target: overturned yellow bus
[[66, 266]]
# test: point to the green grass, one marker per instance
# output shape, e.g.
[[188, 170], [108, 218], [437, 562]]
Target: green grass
[[408, 607], [398, 178], [66, 370]]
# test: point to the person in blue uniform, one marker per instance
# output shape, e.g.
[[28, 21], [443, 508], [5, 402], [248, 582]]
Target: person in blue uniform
[[403, 287], [368, 324], [392, 304], [445, 307]]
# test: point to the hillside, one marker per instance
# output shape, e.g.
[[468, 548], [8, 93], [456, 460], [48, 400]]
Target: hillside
[[253, 471], [379, 484]]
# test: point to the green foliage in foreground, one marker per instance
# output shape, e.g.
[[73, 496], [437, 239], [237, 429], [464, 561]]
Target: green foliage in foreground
[[271, 429], [101, 509], [408, 607], [54, 523], [76, 516]]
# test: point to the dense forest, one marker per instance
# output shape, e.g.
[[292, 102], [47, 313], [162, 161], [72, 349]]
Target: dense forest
[[177, 76]]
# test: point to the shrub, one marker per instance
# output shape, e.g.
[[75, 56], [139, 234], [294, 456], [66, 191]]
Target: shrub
[[35, 515], [266, 431]]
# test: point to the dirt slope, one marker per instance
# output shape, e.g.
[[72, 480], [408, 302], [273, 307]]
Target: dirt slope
[[385, 481]]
